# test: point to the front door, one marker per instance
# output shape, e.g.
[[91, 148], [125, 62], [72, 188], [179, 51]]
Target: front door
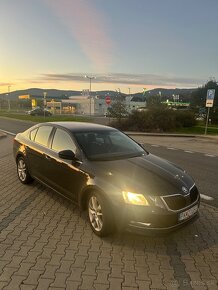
[[65, 176]]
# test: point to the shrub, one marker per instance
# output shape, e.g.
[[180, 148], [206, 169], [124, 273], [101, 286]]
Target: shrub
[[185, 119], [157, 120]]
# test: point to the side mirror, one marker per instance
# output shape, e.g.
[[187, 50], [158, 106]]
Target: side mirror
[[66, 154]]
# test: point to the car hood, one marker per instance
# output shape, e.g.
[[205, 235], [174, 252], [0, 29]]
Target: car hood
[[147, 174]]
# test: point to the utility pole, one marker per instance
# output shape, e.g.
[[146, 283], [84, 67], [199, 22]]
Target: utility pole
[[90, 91]]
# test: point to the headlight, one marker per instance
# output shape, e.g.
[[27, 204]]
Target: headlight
[[134, 198]]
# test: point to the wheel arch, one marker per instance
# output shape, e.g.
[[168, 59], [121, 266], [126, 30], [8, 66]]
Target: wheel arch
[[83, 197], [18, 155]]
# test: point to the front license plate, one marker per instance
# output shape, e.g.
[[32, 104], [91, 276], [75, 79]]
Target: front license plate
[[188, 213]]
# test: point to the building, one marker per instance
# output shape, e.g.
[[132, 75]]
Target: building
[[83, 105]]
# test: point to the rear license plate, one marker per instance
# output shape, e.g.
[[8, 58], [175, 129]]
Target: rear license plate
[[188, 213]]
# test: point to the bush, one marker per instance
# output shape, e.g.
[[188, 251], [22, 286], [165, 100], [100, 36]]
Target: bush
[[157, 120], [214, 116], [185, 119]]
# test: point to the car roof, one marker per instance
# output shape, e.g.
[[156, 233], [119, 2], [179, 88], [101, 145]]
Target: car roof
[[80, 126]]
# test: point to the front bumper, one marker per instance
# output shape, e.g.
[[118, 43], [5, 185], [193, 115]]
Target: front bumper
[[141, 218]]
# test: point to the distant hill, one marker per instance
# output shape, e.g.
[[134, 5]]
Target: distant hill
[[38, 93], [63, 94], [168, 92]]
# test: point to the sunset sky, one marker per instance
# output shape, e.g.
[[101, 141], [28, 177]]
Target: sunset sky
[[123, 43]]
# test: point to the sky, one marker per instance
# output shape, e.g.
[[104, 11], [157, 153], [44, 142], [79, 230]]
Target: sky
[[126, 45]]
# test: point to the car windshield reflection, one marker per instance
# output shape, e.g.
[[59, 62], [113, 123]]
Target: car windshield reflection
[[108, 145]]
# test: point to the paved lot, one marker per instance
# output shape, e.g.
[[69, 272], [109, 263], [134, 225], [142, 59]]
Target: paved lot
[[46, 243]]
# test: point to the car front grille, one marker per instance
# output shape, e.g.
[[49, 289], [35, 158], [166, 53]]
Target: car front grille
[[179, 201]]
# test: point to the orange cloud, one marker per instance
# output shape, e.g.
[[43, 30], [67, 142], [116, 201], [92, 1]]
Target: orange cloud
[[87, 26]]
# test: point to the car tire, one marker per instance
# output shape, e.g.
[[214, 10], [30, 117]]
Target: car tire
[[99, 215], [22, 171]]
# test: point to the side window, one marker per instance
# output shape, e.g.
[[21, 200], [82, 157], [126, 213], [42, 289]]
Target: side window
[[33, 134], [43, 134], [62, 141]]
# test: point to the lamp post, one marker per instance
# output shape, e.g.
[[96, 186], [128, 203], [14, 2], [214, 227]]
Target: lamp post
[[9, 104], [90, 90], [44, 101]]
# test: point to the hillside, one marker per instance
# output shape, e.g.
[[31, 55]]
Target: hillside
[[63, 94]]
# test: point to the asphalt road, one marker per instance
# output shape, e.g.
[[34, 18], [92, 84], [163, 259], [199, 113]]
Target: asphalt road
[[15, 126], [201, 166]]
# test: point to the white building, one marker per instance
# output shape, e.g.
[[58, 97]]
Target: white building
[[95, 106], [132, 105], [78, 105]]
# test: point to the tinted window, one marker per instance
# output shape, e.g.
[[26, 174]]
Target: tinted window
[[102, 145], [43, 134], [62, 141], [33, 134]]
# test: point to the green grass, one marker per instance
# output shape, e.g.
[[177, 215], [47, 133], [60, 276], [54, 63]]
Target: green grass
[[198, 130], [41, 119]]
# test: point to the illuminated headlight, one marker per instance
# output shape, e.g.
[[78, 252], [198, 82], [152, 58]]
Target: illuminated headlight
[[135, 198]]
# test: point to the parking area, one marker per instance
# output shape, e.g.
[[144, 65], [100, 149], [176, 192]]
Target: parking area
[[46, 243]]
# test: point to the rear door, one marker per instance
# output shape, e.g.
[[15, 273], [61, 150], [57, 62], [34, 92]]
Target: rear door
[[38, 150]]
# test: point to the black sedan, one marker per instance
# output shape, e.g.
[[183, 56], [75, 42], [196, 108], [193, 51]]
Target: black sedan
[[38, 111], [108, 174]]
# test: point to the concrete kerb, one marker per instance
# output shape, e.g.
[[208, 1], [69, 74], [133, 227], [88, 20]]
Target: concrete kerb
[[2, 135], [160, 134], [203, 137]]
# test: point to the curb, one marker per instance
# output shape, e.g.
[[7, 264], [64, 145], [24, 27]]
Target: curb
[[2, 135], [215, 137], [160, 134]]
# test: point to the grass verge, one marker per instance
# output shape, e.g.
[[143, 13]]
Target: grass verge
[[198, 130], [41, 119]]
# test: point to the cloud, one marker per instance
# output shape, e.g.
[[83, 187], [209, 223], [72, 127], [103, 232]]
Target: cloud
[[87, 26], [5, 84], [126, 79]]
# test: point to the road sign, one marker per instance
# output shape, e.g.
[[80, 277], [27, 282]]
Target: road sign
[[209, 104], [108, 100], [210, 98], [33, 101]]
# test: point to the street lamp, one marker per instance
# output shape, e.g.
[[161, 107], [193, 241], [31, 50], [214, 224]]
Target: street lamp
[[9, 104], [44, 101], [90, 90]]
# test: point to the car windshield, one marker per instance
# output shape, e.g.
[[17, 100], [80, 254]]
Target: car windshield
[[108, 145]]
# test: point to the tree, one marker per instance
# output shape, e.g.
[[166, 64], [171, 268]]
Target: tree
[[198, 97], [154, 102], [118, 108]]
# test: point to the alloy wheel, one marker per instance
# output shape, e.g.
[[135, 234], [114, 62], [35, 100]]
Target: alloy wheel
[[21, 169], [95, 214]]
